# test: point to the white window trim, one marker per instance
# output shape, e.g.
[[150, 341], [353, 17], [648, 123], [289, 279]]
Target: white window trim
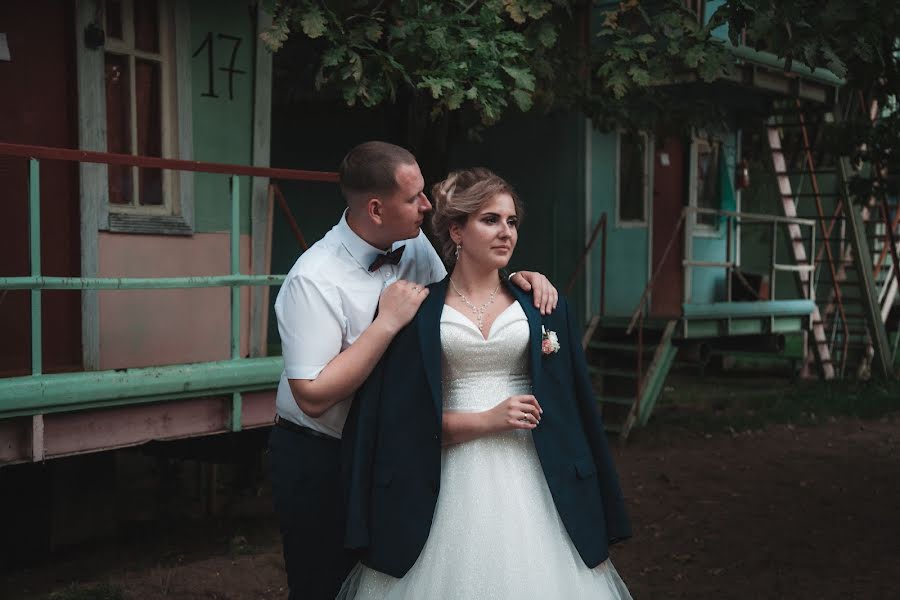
[[165, 58], [700, 230], [92, 130], [648, 183]]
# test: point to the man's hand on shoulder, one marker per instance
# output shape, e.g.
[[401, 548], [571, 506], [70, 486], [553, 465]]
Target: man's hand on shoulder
[[545, 295], [399, 303]]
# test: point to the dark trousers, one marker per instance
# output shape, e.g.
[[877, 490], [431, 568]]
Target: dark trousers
[[306, 485]]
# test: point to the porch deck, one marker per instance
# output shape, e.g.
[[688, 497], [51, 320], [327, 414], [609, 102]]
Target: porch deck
[[719, 319]]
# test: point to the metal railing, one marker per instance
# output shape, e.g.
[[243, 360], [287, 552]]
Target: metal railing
[[730, 264], [599, 228], [41, 392]]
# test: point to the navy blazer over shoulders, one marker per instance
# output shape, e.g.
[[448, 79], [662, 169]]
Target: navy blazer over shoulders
[[392, 442]]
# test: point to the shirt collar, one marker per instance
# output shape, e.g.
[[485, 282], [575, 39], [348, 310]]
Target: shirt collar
[[362, 251]]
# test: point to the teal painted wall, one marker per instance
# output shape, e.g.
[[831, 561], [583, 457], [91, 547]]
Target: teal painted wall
[[708, 283], [627, 247], [222, 125]]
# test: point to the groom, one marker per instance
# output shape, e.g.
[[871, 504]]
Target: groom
[[331, 343]]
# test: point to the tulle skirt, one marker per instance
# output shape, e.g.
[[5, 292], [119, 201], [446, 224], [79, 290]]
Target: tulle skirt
[[496, 535]]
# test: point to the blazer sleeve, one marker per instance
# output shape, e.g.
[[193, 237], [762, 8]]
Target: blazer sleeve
[[357, 455], [617, 524]]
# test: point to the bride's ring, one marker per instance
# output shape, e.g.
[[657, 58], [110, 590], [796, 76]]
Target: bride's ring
[[415, 288]]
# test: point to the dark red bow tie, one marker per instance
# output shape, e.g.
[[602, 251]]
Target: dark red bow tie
[[388, 258]]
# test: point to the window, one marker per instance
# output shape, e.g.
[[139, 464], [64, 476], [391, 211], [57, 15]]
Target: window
[[141, 116], [707, 187], [632, 178]]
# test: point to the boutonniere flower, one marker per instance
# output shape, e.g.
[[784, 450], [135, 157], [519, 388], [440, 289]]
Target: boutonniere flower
[[549, 341]]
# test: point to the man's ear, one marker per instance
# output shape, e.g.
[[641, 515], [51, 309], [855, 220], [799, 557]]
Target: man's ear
[[375, 211]]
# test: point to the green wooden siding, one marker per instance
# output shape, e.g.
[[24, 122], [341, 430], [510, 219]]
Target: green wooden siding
[[627, 247], [222, 125]]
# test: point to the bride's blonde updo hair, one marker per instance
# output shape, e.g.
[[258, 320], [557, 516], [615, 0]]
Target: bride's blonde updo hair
[[461, 194]]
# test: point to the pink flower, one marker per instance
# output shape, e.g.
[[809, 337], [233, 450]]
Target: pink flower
[[549, 341]]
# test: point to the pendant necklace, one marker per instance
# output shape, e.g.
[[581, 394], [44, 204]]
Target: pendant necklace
[[477, 310]]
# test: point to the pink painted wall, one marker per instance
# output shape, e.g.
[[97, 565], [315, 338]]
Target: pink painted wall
[[142, 328], [70, 433]]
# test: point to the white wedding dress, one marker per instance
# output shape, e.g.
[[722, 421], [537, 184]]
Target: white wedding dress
[[496, 532]]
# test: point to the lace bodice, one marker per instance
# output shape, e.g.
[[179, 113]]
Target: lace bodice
[[478, 373]]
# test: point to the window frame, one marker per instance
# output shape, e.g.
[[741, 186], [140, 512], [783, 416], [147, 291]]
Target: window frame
[[168, 109], [647, 183], [179, 220], [699, 228]]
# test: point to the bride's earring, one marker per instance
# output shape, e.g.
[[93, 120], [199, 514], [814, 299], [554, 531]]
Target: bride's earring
[[458, 246]]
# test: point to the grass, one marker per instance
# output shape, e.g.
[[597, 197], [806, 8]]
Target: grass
[[102, 591], [720, 403]]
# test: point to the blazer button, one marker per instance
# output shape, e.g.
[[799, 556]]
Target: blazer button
[[436, 437]]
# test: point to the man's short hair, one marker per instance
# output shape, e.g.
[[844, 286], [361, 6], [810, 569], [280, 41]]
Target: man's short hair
[[368, 170]]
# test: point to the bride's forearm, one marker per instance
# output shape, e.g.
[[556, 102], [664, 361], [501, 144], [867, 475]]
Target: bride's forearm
[[458, 427]]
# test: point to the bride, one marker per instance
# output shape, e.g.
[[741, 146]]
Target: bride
[[475, 462]]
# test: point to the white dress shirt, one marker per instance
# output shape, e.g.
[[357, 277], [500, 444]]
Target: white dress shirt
[[328, 299]]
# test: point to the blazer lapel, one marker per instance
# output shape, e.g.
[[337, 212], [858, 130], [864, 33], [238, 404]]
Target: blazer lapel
[[429, 324], [534, 327]]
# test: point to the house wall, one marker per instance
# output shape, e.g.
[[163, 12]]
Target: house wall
[[707, 284], [627, 247], [37, 104], [155, 327], [222, 125], [142, 328], [543, 157]]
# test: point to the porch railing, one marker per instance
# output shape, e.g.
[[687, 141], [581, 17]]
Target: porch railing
[[598, 232], [730, 265], [41, 393]]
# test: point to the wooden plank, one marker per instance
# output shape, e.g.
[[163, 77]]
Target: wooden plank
[[822, 350], [93, 190], [37, 438], [871, 308], [261, 194]]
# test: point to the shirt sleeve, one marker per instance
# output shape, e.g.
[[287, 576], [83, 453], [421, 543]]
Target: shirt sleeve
[[433, 268], [311, 325]]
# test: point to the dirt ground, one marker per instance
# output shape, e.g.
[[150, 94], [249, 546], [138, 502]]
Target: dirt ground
[[799, 512]]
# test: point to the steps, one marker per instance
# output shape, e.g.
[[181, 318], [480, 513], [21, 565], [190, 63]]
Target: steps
[[627, 398]]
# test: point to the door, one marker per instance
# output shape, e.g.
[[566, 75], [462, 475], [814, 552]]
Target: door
[[38, 106], [669, 191]]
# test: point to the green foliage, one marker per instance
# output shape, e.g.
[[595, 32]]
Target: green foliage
[[855, 40], [643, 50], [727, 403], [482, 56], [644, 67]]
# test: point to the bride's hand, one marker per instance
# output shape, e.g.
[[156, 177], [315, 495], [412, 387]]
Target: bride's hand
[[516, 412]]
